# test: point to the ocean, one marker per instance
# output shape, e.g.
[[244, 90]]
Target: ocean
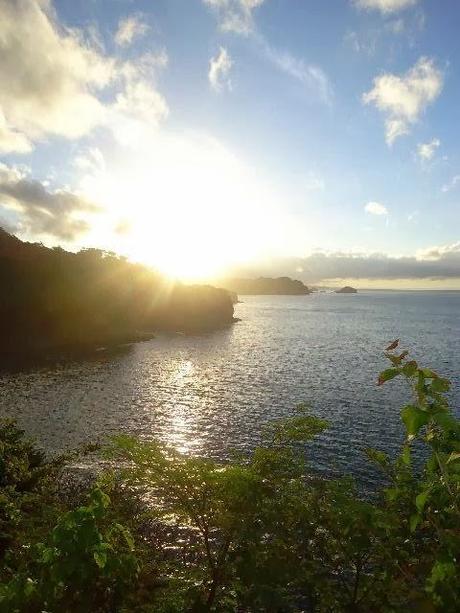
[[213, 394]]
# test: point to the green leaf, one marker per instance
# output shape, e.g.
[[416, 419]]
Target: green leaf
[[410, 368], [100, 498], [392, 494], [387, 375], [442, 571], [447, 422], [377, 456], [100, 557], [48, 554], [29, 587], [126, 535], [440, 385], [414, 521], [421, 499], [414, 418], [454, 456], [428, 373], [405, 456]]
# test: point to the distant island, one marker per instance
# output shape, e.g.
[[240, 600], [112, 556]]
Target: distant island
[[265, 286], [346, 290], [56, 301]]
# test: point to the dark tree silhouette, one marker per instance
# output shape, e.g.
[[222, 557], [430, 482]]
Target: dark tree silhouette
[[52, 299]]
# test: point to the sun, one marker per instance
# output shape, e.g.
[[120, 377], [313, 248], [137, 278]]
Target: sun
[[186, 206]]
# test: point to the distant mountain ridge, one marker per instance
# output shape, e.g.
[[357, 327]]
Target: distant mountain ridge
[[265, 286]]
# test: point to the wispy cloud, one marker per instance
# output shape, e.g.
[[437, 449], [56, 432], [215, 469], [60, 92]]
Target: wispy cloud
[[365, 43], [451, 185], [129, 29], [395, 30], [426, 151], [384, 6], [219, 71], [311, 76], [235, 15], [402, 99]]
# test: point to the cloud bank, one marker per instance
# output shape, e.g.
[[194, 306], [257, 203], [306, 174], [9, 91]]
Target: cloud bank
[[435, 263]]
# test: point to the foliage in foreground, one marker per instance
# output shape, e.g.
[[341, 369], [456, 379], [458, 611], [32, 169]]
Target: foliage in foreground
[[166, 532]]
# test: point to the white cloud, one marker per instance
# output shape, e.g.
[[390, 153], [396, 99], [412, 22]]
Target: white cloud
[[219, 70], [142, 102], [402, 99], [452, 184], [138, 107], [52, 76], [426, 151], [129, 29], [12, 141], [56, 78], [375, 208], [385, 6], [235, 15]]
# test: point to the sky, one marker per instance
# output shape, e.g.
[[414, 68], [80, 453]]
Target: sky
[[318, 140]]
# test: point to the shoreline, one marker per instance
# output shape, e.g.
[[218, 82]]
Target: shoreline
[[11, 361]]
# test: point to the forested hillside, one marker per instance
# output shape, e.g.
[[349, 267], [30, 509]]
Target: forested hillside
[[51, 298]]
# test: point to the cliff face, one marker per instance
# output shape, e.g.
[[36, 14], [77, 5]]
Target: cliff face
[[52, 298], [266, 286]]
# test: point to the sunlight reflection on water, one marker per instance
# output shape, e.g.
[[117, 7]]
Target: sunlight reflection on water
[[211, 394]]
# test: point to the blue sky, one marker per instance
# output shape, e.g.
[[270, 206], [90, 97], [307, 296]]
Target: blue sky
[[252, 135]]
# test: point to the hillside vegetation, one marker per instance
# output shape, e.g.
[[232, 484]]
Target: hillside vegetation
[[51, 298]]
